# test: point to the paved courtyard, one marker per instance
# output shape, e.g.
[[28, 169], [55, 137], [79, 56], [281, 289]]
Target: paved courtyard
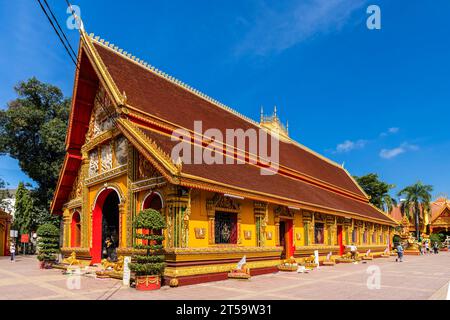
[[423, 277]]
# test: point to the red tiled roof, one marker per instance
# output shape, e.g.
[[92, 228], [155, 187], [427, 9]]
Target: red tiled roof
[[247, 176], [437, 207], [330, 186], [396, 213], [152, 94]]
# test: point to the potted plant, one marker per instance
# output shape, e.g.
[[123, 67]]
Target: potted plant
[[148, 257], [48, 245]]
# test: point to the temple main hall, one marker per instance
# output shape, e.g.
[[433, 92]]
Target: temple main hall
[[118, 162]]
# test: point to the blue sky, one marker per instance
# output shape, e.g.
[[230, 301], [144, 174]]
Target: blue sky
[[377, 100]]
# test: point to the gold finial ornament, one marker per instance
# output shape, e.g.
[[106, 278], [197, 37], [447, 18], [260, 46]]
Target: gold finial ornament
[[124, 95], [273, 124]]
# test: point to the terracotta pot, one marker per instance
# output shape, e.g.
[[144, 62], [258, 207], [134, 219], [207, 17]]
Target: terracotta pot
[[146, 283], [41, 264]]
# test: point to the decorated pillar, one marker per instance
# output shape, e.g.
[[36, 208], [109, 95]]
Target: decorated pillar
[[210, 211], [331, 229], [122, 224], [307, 218], [348, 226], [178, 213], [132, 159], [261, 212], [66, 228], [86, 214], [276, 220]]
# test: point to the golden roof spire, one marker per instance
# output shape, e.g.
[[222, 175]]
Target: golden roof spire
[[273, 124]]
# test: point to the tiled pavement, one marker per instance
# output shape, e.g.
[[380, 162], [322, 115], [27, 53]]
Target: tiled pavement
[[423, 277]]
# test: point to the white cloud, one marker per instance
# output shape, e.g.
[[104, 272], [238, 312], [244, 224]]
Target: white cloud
[[277, 30], [348, 146], [390, 131], [393, 130], [392, 153]]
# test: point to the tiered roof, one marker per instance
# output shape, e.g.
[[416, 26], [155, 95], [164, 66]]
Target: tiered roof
[[151, 104]]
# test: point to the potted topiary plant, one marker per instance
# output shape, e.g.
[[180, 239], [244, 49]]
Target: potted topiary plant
[[48, 245], [148, 257]]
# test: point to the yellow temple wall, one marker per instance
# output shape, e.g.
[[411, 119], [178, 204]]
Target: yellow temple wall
[[298, 229], [198, 219], [248, 223]]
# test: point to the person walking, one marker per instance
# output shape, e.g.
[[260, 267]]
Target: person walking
[[435, 247], [353, 251], [12, 250], [427, 247], [399, 253]]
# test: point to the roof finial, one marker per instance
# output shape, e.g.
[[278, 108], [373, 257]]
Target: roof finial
[[275, 111], [79, 22], [262, 113], [124, 102], [287, 126]]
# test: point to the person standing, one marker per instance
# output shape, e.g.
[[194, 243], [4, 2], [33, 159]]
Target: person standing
[[427, 247], [12, 250], [353, 250], [399, 253], [435, 247]]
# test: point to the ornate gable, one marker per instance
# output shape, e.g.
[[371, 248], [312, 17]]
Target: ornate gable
[[102, 117]]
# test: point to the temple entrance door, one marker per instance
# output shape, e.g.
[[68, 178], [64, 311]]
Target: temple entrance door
[[75, 230], [286, 238], [105, 226], [110, 227], [340, 240]]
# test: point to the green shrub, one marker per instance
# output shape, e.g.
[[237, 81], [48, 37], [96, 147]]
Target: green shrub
[[437, 237], [48, 242], [147, 224]]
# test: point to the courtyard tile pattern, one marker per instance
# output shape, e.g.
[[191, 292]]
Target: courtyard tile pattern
[[418, 277]]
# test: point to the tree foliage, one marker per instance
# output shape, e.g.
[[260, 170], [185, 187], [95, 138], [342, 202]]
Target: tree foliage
[[23, 213], [48, 242], [148, 224], [417, 202], [4, 194], [32, 130], [378, 191]]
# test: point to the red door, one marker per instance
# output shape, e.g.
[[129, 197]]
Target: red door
[[340, 241], [289, 236]]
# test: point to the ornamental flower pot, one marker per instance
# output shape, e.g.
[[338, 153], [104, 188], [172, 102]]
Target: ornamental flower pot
[[48, 244], [148, 260], [147, 283]]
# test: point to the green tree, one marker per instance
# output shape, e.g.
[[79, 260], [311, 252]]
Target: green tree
[[4, 194], [149, 224], [33, 129], [23, 210], [417, 202], [48, 242], [378, 191]]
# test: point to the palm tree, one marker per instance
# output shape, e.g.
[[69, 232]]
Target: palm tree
[[417, 201], [378, 191], [387, 202]]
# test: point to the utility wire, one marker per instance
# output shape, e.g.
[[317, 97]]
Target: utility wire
[[57, 33], [59, 27], [73, 58]]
